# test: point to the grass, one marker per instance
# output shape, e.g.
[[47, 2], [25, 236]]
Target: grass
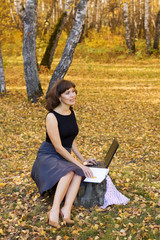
[[118, 98]]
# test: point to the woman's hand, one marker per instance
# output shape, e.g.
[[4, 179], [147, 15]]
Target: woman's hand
[[91, 161], [87, 171]]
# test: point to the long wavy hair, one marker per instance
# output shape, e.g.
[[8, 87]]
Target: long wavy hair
[[55, 92]]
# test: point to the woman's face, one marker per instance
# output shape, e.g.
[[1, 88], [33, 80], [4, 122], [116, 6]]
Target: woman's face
[[68, 97]]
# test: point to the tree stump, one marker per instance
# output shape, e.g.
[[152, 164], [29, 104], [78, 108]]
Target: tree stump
[[91, 194]]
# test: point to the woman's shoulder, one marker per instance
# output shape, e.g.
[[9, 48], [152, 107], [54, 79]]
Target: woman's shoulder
[[51, 116]]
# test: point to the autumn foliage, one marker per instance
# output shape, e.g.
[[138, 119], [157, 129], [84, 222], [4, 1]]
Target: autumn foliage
[[118, 96], [118, 99]]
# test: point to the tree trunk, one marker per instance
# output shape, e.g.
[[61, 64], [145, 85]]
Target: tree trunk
[[19, 7], [98, 16], [93, 14], [91, 194], [47, 20], [141, 19], [133, 24], [156, 38], [53, 41], [127, 26], [34, 90], [50, 50], [147, 24], [2, 77], [71, 44]]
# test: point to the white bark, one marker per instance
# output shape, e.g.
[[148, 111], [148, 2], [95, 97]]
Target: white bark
[[147, 23], [2, 77], [127, 26], [19, 7]]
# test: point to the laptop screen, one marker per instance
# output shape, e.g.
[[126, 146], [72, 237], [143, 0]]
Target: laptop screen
[[112, 150]]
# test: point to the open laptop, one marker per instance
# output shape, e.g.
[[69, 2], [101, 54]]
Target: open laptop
[[109, 155], [101, 170]]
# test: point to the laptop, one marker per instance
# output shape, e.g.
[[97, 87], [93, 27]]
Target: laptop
[[109, 155], [101, 170]]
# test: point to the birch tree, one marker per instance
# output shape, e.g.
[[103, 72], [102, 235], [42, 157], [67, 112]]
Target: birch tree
[[147, 24], [50, 50], [133, 24], [34, 90], [2, 77], [157, 32], [19, 7], [141, 18], [127, 26], [71, 44]]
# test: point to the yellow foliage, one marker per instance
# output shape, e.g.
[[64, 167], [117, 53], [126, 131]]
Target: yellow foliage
[[104, 39]]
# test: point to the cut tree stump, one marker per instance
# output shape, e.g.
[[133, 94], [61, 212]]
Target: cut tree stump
[[91, 194]]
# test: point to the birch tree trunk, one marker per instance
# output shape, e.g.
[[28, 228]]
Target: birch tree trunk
[[147, 24], [50, 50], [127, 26], [34, 90], [2, 77], [141, 19], [98, 16], [71, 44], [157, 32], [133, 24], [53, 41], [19, 7], [47, 20]]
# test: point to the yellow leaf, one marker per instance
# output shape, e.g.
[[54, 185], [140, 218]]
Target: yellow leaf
[[116, 225], [2, 185], [65, 237], [95, 226], [42, 231], [74, 232]]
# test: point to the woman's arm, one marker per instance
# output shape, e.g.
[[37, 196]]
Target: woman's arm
[[53, 133], [76, 152], [90, 161]]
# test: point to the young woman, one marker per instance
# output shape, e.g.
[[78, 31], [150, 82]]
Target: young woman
[[54, 166]]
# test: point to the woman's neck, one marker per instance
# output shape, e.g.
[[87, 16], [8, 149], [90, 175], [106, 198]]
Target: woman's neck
[[63, 109]]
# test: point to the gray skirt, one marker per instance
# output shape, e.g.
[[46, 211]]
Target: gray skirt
[[49, 167]]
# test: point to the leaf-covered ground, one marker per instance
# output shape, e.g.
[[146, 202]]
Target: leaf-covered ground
[[114, 100]]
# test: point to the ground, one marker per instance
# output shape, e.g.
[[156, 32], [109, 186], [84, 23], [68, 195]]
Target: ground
[[117, 99]]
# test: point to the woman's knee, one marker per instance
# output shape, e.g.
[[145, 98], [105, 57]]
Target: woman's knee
[[77, 176], [68, 177], [70, 174]]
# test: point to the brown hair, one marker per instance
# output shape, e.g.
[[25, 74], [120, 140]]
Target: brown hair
[[55, 92]]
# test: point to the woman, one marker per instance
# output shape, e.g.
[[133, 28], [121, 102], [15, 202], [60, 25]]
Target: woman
[[54, 165]]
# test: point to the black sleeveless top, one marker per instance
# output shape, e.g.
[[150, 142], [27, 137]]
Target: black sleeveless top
[[68, 128]]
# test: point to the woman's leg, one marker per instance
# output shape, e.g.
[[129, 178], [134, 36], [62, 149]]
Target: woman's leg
[[71, 195], [61, 190]]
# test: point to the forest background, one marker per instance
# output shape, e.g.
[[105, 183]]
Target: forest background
[[116, 69]]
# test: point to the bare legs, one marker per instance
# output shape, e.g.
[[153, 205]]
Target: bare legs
[[70, 196], [67, 185]]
